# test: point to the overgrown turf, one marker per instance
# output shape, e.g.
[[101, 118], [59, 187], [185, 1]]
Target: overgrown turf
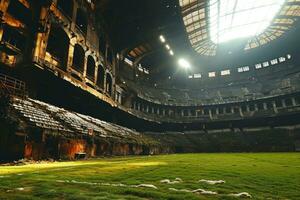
[[264, 176]]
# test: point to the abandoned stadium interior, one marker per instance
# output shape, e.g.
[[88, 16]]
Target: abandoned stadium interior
[[86, 79], [82, 58]]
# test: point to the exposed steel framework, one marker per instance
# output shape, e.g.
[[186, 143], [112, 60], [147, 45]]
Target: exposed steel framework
[[196, 19]]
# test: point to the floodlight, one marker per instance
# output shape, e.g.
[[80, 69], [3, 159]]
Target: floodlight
[[184, 63], [162, 38]]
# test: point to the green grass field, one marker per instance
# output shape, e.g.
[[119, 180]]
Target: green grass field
[[264, 176]]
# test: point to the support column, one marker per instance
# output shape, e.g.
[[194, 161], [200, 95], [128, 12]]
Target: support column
[[247, 108], [274, 107], [294, 101], [217, 111], [139, 107], [255, 107], [85, 66], [265, 106], [241, 111], [210, 114], [70, 56], [42, 38], [283, 103], [96, 73]]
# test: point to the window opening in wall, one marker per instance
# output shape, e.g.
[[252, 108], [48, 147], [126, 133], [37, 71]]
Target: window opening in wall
[[78, 58], [108, 84], [60, 52], [225, 72], [258, 66], [100, 77], [82, 20], [266, 64], [212, 74], [91, 68]]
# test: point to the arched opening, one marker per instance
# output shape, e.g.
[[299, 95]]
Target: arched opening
[[90, 68], [78, 58], [58, 52], [66, 7], [108, 84], [82, 20], [100, 79]]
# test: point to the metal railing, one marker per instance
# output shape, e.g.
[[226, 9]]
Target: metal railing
[[12, 86]]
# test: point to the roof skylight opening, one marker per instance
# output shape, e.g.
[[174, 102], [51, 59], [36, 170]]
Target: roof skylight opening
[[233, 19]]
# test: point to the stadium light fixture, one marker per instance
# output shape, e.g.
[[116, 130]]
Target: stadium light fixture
[[171, 52], [162, 38], [232, 19], [168, 47], [184, 63]]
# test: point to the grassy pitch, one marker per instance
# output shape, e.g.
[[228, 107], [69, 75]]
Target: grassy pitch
[[263, 176]]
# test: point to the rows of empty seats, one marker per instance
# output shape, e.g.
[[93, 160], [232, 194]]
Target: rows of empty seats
[[46, 116], [37, 116], [219, 94]]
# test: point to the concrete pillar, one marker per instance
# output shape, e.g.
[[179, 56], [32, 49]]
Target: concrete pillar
[[139, 107], [283, 103], [294, 101], [241, 111], [265, 106], [104, 81], [85, 65], [42, 38], [247, 108], [96, 73], [255, 107], [70, 56], [210, 114], [274, 107]]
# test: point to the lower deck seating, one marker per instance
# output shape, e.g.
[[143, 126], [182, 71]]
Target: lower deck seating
[[45, 116]]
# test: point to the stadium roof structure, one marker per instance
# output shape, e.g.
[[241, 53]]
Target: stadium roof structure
[[209, 23]]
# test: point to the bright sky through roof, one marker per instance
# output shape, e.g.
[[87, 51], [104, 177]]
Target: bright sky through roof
[[232, 19], [184, 63]]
